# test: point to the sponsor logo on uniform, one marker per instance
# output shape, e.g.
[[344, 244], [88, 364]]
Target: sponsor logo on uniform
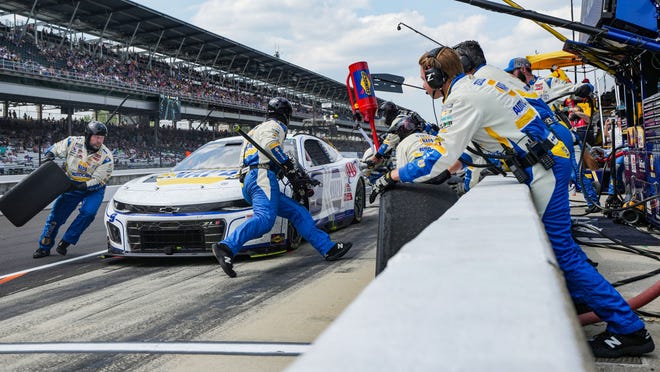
[[501, 87], [519, 107]]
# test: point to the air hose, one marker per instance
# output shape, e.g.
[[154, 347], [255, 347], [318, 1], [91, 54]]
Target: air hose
[[635, 303]]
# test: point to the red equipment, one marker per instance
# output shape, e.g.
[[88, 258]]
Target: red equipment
[[362, 95]]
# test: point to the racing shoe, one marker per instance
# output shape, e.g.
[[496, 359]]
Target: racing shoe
[[610, 345], [224, 256], [40, 253], [62, 247], [337, 251]]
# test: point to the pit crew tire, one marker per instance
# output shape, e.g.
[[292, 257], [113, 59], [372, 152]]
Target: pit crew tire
[[359, 201], [404, 212], [34, 193], [294, 239]]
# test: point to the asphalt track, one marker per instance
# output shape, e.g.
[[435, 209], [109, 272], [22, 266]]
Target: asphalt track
[[84, 312], [87, 313]]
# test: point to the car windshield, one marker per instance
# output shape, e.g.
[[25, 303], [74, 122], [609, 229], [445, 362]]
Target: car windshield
[[212, 156]]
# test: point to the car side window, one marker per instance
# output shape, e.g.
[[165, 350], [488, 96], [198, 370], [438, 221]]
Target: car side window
[[332, 153], [317, 153]]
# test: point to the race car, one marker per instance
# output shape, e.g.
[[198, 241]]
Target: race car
[[183, 211]]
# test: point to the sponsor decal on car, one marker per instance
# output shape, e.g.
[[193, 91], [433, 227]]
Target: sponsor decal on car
[[348, 195], [277, 238], [351, 170], [196, 178]]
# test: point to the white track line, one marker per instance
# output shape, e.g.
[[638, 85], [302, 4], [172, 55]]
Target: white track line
[[54, 264], [232, 348]]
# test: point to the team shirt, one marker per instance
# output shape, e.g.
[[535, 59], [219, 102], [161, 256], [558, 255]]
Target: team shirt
[[93, 168], [491, 114], [270, 136]]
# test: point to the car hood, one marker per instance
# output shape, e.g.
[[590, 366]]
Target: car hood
[[182, 188]]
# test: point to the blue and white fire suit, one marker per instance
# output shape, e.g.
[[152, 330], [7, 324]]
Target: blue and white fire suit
[[418, 147], [392, 139], [492, 115], [93, 168], [261, 188], [560, 130], [549, 89]]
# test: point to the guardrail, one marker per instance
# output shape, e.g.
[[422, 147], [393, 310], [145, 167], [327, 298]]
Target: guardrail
[[119, 177], [477, 290]]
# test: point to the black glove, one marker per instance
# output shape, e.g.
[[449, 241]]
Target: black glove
[[49, 156], [583, 91], [457, 184], [367, 164], [381, 185], [289, 170], [81, 186]]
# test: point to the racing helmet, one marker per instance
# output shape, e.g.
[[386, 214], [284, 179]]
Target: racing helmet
[[404, 126], [280, 109], [94, 128], [388, 110]]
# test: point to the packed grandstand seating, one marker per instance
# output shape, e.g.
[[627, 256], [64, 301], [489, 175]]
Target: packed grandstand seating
[[49, 54], [53, 55], [22, 140]]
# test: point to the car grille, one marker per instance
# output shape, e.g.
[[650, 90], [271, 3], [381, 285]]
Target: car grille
[[175, 236], [191, 208]]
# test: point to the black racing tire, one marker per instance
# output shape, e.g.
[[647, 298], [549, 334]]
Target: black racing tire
[[359, 201], [294, 239], [33, 193], [405, 211]]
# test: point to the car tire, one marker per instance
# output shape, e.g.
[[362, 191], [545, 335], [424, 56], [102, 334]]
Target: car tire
[[411, 208], [293, 237], [359, 201]]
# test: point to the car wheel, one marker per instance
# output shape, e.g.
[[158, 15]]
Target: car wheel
[[294, 239], [417, 205], [359, 201]]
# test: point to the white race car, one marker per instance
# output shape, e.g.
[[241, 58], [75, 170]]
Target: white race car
[[184, 211]]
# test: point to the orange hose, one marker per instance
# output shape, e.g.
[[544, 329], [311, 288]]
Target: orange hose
[[640, 300]]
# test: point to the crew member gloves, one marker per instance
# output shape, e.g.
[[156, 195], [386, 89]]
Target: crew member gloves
[[381, 184], [81, 186]]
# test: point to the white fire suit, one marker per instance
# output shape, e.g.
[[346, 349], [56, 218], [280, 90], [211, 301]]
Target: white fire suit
[[261, 188], [92, 168], [418, 150], [492, 115]]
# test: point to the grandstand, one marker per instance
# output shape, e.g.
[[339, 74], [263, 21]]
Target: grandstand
[[119, 55]]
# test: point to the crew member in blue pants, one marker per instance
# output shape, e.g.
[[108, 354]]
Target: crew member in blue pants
[[490, 115], [88, 164], [261, 189]]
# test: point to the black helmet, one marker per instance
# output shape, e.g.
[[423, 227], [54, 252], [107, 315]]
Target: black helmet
[[388, 111], [404, 126], [94, 128], [280, 109]]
